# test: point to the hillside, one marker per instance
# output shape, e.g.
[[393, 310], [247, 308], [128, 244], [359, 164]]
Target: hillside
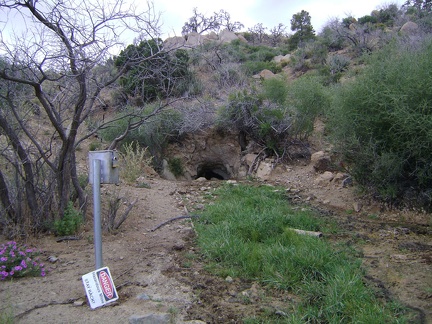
[[339, 122]]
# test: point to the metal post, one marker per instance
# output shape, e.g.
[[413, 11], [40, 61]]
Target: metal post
[[97, 212]]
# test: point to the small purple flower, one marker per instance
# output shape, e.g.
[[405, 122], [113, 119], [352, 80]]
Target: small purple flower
[[14, 260]]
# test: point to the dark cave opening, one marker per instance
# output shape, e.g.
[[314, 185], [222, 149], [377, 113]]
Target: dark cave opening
[[212, 170]]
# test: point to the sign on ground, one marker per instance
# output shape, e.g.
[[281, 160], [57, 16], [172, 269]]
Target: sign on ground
[[99, 287]]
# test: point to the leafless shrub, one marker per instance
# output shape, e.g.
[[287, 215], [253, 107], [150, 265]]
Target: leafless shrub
[[197, 117], [116, 204]]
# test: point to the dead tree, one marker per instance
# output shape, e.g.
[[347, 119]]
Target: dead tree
[[60, 63]]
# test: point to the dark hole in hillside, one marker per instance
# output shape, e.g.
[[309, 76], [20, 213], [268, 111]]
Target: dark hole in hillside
[[212, 170]]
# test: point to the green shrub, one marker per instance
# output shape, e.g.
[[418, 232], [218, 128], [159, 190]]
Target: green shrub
[[382, 121], [331, 39], [262, 53], [113, 130], [338, 63], [334, 68], [94, 146], [154, 134], [299, 61], [154, 72], [70, 222], [275, 90], [254, 67], [248, 113], [175, 165], [278, 114], [307, 99], [157, 132]]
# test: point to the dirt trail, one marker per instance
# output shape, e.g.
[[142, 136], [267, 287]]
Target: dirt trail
[[136, 257], [153, 274]]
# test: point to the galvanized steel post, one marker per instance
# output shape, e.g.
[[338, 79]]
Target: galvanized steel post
[[97, 212]]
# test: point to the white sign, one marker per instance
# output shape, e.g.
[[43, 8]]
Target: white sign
[[99, 287]]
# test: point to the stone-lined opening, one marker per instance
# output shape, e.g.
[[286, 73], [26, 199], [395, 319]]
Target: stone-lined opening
[[213, 170]]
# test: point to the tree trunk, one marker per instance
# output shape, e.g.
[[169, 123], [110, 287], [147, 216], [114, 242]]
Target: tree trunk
[[29, 178], [5, 199]]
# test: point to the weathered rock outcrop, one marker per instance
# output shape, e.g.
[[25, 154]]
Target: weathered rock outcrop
[[218, 155], [322, 162], [194, 39], [282, 59], [209, 155], [409, 27]]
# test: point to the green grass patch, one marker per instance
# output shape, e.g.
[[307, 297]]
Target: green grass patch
[[247, 232]]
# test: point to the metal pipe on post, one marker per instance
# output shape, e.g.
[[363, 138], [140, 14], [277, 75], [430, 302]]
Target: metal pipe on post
[[97, 212]]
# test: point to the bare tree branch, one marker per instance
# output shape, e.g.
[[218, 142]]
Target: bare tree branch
[[55, 64]]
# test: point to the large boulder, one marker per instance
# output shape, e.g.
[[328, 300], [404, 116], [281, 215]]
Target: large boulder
[[282, 59], [322, 162], [212, 36], [194, 39], [409, 27], [264, 170], [174, 42], [266, 74], [226, 36], [242, 38]]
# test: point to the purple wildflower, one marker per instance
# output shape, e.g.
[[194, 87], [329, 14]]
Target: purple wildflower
[[23, 264]]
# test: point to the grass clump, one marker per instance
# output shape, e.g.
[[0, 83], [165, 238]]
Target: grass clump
[[7, 312], [135, 160], [248, 233]]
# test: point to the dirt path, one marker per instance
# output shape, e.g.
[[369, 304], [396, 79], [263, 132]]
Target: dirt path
[[136, 257], [156, 274]]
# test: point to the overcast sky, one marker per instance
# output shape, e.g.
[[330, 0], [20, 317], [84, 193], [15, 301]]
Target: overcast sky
[[268, 12]]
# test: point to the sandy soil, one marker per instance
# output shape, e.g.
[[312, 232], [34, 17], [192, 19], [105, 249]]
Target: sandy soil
[[160, 273]]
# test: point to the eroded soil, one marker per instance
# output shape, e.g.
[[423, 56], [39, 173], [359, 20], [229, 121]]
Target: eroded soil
[[160, 272]]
